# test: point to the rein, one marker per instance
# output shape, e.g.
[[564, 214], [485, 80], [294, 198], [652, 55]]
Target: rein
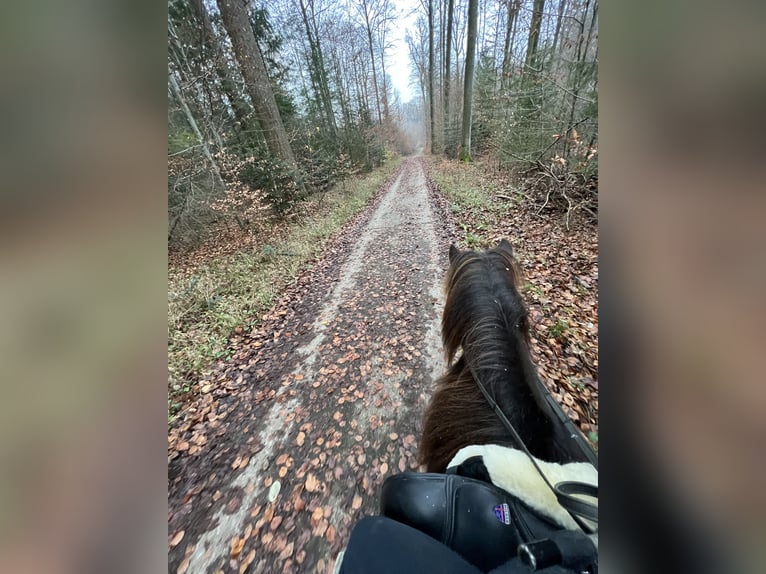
[[564, 491]]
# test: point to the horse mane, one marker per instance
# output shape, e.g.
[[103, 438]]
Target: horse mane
[[485, 318]]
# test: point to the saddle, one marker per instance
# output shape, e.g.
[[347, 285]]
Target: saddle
[[482, 522]]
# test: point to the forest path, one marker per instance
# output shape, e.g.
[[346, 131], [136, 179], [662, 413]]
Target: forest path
[[299, 429]]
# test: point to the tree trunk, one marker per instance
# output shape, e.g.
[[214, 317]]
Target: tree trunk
[[560, 17], [431, 72], [237, 24], [386, 110], [366, 9], [341, 82], [579, 59], [317, 66], [175, 88], [447, 69], [513, 10], [470, 62], [534, 35]]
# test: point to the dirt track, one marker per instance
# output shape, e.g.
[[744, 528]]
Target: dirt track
[[324, 400]]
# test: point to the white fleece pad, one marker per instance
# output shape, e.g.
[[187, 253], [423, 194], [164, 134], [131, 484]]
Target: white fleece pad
[[511, 470]]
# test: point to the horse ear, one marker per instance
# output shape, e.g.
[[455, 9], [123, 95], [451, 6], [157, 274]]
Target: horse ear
[[453, 253], [505, 245]]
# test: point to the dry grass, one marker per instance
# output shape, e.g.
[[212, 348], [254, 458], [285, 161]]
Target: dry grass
[[207, 303]]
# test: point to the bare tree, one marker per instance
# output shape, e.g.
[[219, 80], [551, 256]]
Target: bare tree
[[368, 20], [431, 95], [534, 36], [470, 62], [178, 95], [448, 67], [317, 66], [237, 24]]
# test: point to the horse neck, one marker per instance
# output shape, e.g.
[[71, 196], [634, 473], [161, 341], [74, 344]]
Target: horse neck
[[504, 367]]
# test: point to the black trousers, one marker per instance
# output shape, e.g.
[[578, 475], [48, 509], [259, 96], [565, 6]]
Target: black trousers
[[379, 545]]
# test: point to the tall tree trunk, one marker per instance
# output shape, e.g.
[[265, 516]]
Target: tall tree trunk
[[366, 9], [559, 18], [342, 85], [534, 35], [513, 10], [237, 24], [178, 95], [386, 110], [431, 94], [317, 66], [470, 62], [579, 59], [448, 70]]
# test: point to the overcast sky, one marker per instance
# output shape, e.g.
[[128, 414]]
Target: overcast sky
[[397, 58]]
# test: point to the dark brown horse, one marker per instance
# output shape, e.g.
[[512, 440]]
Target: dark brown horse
[[485, 316]]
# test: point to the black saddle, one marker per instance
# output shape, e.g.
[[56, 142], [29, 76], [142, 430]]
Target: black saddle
[[481, 522]]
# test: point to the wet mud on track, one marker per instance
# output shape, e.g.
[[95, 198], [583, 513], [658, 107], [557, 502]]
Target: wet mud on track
[[299, 429]]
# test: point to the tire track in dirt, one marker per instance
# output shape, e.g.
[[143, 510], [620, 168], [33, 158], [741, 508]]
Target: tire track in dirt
[[347, 408]]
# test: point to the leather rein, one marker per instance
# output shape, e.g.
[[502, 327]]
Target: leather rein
[[565, 491]]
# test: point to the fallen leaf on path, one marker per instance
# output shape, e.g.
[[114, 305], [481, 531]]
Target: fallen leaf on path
[[312, 484], [301, 438], [247, 561], [393, 436], [321, 528], [177, 538], [287, 552], [269, 513], [318, 514], [237, 544], [356, 504]]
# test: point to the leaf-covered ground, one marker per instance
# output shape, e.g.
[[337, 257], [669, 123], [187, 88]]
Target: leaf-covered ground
[[285, 445]]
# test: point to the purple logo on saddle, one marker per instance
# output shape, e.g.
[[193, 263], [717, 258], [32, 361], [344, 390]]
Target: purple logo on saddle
[[503, 513]]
